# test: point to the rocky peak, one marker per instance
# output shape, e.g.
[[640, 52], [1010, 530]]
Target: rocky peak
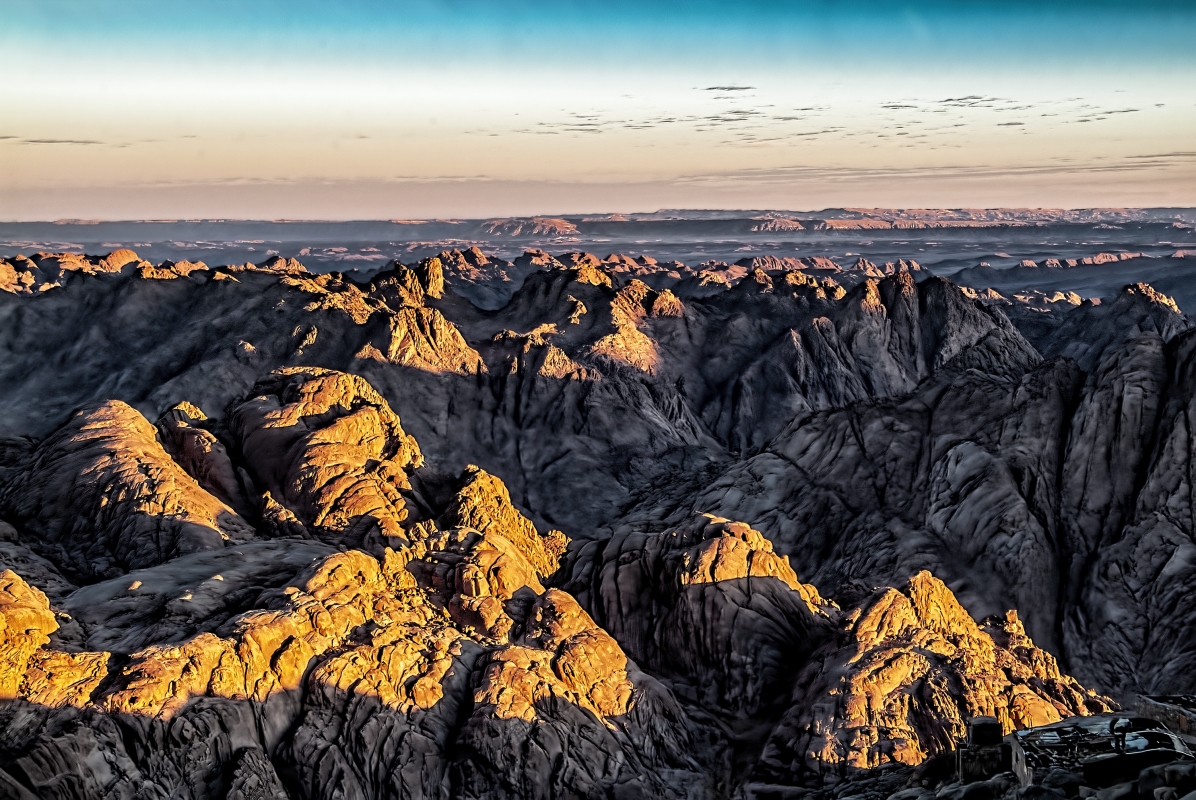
[[533, 260], [1151, 294], [1090, 331], [169, 270], [431, 277], [399, 286], [769, 262], [592, 274], [103, 497], [483, 503], [282, 266], [117, 259], [577, 259], [403, 286], [902, 265], [44, 270], [470, 261], [620, 262], [328, 449], [866, 267], [667, 304], [893, 676]]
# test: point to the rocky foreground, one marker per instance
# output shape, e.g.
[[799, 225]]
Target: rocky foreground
[[632, 533]]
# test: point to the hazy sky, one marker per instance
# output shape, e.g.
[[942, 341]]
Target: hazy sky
[[140, 109]]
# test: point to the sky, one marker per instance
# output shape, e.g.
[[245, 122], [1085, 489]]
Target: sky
[[367, 109]]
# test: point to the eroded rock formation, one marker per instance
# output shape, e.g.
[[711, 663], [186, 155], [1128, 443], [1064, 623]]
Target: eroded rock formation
[[585, 561], [900, 683], [355, 656], [102, 497]]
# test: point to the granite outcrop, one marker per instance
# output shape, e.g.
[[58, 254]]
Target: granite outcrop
[[570, 526]]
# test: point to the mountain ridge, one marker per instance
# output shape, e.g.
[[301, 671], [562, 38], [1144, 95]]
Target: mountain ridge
[[779, 468]]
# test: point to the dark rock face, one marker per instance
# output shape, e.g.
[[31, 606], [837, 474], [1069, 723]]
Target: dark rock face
[[710, 606], [1131, 596], [634, 535]]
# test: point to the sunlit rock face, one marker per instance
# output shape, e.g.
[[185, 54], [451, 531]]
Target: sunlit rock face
[[899, 683], [610, 529], [358, 674], [329, 449], [102, 496]]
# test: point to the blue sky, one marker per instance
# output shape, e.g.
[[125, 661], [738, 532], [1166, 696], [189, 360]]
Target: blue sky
[[267, 109], [1137, 29]]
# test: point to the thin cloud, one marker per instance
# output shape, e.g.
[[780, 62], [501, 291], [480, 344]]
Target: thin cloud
[[60, 141], [863, 175], [1177, 155]]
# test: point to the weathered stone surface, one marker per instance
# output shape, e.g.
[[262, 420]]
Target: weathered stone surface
[[329, 448], [709, 606], [102, 497], [569, 675], [1128, 626], [354, 677], [423, 339], [25, 625], [54, 679], [484, 503], [189, 595], [911, 668], [284, 599], [376, 717], [959, 477], [202, 455]]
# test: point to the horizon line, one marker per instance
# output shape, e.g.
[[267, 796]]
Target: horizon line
[[567, 214]]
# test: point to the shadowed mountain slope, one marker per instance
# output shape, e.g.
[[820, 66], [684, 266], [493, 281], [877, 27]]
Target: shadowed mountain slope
[[276, 534]]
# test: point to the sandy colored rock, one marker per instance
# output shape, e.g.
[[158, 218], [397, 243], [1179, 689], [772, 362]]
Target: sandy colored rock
[[423, 339], [568, 674], [903, 680], [103, 497], [391, 630], [563, 654], [666, 304], [329, 294], [627, 345], [26, 623], [54, 679], [329, 448], [484, 503]]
